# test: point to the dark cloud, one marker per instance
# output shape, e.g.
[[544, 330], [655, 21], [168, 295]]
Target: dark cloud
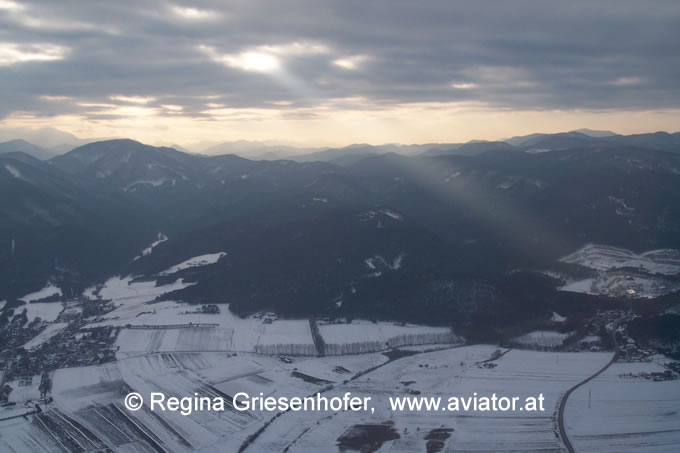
[[518, 55]]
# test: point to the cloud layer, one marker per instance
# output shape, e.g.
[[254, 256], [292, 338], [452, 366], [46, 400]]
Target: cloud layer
[[203, 60]]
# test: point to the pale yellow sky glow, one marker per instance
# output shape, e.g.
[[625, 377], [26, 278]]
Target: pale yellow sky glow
[[328, 125]]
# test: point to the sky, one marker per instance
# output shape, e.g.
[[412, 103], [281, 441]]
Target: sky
[[332, 73]]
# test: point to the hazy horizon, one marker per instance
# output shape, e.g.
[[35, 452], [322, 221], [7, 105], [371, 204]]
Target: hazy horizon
[[45, 138]]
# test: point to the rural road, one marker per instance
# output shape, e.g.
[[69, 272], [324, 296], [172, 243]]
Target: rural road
[[563, 402]]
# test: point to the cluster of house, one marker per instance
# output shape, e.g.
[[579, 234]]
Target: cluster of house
[[69, 348]]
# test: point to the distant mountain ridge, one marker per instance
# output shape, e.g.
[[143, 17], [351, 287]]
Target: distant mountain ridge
[[300, 235], [47, 144], [19, 145]]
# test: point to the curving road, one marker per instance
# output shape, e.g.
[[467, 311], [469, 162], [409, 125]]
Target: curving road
[[563, 402]]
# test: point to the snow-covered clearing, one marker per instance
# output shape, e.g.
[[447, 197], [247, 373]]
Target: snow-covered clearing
[[603, 257], [395, 215], [160, 238], [47, 291], [556, 317], [202, 260], [132, 298], [46, 311], [618, 283]]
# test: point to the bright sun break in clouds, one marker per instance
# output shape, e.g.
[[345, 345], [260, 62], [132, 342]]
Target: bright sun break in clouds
[[262, 58], [246, 61]]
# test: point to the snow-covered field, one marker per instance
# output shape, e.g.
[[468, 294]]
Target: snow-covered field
[[92, 398], [136, 306], [364, 336], [24, 391], [603, 257], [175, 348], [542, 339], [619, 413], [46, 311], [165, 329], [452, 372], [224, 333]]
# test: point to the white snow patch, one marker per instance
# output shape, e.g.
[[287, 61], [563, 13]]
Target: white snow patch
[[48, 290], [90, 293], [452, 176], [197, 261], [128, 295], [580, 286], [396, 264], [393, 214], [556, 317], [373, 262], [145, 182], [13, 171], [160, 238], [46, 311], [590, 339]]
